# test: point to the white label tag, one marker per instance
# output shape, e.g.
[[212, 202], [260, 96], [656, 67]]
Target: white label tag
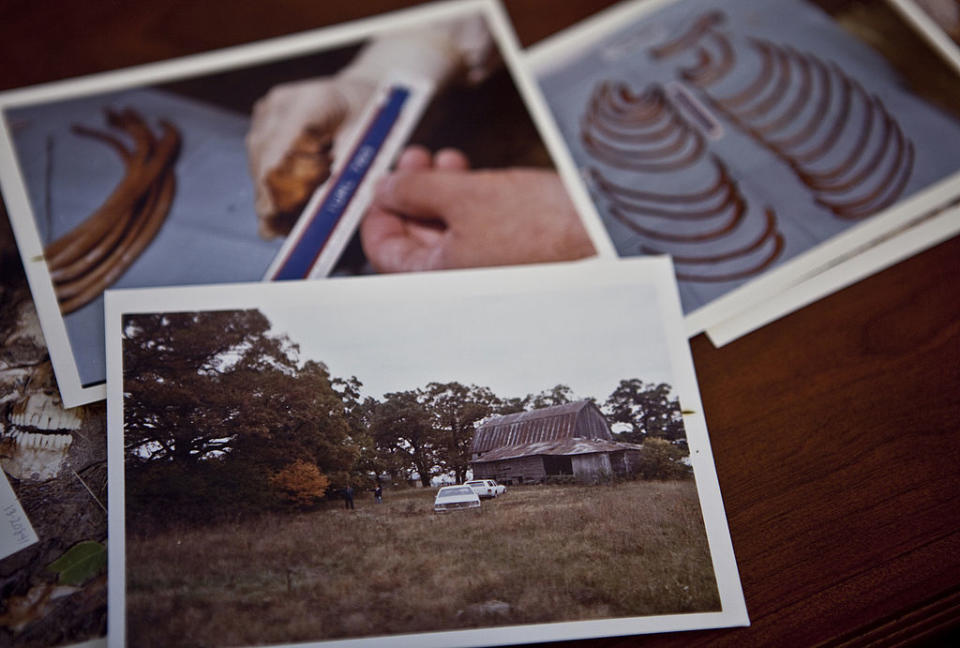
[[334, 212], [15, 530]]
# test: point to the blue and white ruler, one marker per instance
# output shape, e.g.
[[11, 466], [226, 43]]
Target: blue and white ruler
[[331, 217]]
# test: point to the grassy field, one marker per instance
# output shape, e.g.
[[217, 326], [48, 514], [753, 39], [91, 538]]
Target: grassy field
[[551, 553]]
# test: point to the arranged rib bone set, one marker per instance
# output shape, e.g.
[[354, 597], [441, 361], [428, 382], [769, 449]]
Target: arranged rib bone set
[[653, 137], [838, 141], [93, 255]]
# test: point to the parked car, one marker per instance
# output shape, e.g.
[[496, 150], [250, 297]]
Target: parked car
[[486, 488], [455, 498]]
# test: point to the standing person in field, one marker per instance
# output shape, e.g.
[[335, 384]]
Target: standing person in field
[[378, 494], [348, 497]]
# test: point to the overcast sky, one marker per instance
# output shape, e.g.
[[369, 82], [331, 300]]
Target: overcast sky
[[515, 344]]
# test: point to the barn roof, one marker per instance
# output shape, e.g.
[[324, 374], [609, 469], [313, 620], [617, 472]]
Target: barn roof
[[563, 447], [578, 419], [544, 412]]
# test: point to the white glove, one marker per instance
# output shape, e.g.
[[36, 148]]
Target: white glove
[[293, 134], [289, 144]]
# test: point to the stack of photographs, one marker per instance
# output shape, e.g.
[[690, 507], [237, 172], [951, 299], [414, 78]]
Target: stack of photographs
[[777, 150], [309, 439], [86, 221]]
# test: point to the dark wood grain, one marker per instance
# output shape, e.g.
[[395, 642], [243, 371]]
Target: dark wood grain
[[836, 430]]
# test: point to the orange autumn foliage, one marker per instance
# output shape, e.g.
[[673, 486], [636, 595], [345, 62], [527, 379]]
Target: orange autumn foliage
[[301, 482]]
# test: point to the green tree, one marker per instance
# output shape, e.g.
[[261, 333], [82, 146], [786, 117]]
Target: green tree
[[303, 417], [454, 409], [559, 395], [214, 404], [182, 375], [403, 428], [359, 413], [660, 459], [510, 405], [647, 409]]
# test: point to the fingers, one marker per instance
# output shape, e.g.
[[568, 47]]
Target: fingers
[[289, 148], [418, 158], [451, 159], [394, 244], [432, 194], [402, 232], [414, 158]]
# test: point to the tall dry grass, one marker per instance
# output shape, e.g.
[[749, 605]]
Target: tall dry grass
[[551, 553]]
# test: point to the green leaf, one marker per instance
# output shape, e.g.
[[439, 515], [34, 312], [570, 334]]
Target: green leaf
[[80, 562]]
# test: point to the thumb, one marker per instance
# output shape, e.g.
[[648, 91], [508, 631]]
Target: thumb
[[426, 195]]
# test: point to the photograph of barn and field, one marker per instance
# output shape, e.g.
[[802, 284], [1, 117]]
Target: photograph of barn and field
[[274, 497]]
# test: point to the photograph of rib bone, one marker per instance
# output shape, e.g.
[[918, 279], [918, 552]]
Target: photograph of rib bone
[[372, 457], [53, 592], [738, 136], [194, 171]]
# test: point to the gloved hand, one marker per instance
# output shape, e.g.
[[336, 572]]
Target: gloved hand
[[290, 144], [295, 134]]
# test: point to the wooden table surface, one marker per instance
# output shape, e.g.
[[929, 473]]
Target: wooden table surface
[[835, 429]]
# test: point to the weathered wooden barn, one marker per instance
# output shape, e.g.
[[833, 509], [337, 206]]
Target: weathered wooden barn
[[569, 439]]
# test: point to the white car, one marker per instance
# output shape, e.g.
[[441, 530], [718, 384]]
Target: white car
[[455, 498], [486, 488]]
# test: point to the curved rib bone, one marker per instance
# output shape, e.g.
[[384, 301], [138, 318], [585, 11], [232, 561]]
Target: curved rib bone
[[638, 110], [769, 230], [729, 194], [624, 159], [111, 239], [778, 244], [594, 121], [95, 225], [629, 193], [124, 197], [791, 112], [850, 87], [764, 49], [890, 185], [809, 130], [735, 218], [708, 70], [689, 38], [777, 92], [883, 145], [127, 253]]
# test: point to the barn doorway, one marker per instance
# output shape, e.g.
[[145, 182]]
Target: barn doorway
[[558, 465]]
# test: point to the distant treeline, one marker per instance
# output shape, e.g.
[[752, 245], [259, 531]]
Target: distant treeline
[[223, 419]]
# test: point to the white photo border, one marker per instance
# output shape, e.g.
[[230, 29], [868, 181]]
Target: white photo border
[[20, 210], [875, 258], [929, 31], [743, 305], [654, 271]]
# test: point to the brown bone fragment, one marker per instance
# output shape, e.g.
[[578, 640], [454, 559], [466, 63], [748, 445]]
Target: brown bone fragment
[[130, 190], [97, 252], [291, 183]]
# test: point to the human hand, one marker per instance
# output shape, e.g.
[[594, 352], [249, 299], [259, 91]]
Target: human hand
[[292, 143], [434, 213]]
